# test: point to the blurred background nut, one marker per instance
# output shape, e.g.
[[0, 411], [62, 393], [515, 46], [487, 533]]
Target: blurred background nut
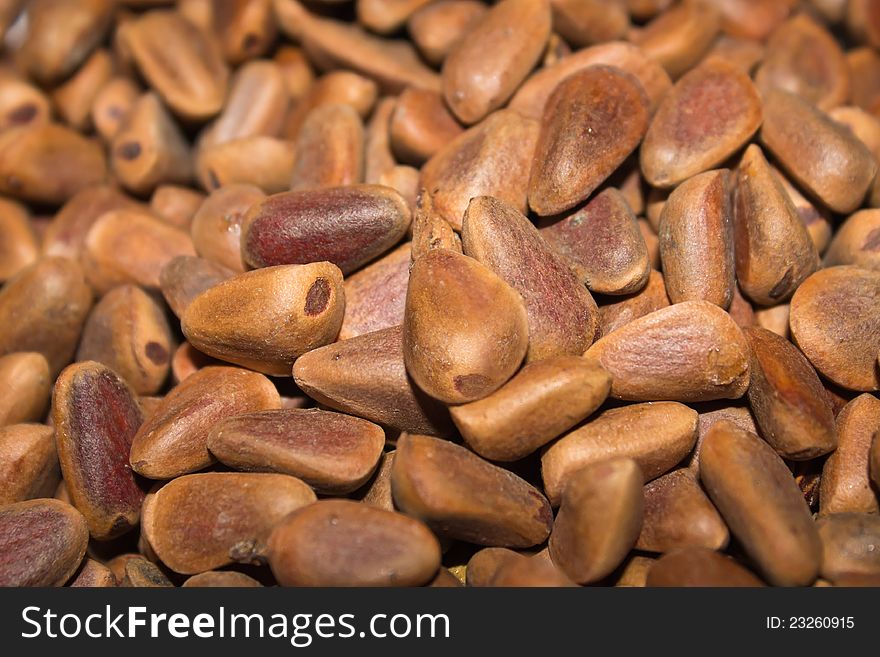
[[43, 309], [182, 63], [48, 163], [130, 246], [19, 242], [483, 70], [25, 380], [74, 98], [245, 28], [61, 34], [149, 149], [21, 102], [264, 162], [438, 26]]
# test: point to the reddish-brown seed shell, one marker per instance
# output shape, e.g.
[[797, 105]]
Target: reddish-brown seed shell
[[835, 320], [332, 452], [699, 567], [603, 244], [43, 309], [845, 485], [96, 416], [621, 311], [24, 379], [256, 102], [706, 117], [849, 545], [592, 122], [19, 243], [348, 226], [131, 246], [690, 351], [679, 36], [679, 515], [522, 571], [485, 563], [365, 376], [187, 360], [656, 435], [42, 543], [494, 57], [140, 573], [863, 20], [393, 64], [67, 232], [543, 400], [761, 503], [633, 572], [28, 462], [149, 148], [465, 331], [823, 156], [585, 22], [816, 217], [438, 26], [492, 158], [787, 398], [186, 277], [60, 35], [127, 331], [48, 163], [200, 522], [93, 574], [176, 204], [216, 225], [345, 543], [696, 240], [462, 496], [221, 579], [804, 58], [375, 296], [173, 440], [562, 314], [263, 162], [378, 491], [264, 319], [756, 19], [180, 61], [741, 416], [774, 251], [856, 241], [532, 96], [329, 149], [420, 125], [599, 519]]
